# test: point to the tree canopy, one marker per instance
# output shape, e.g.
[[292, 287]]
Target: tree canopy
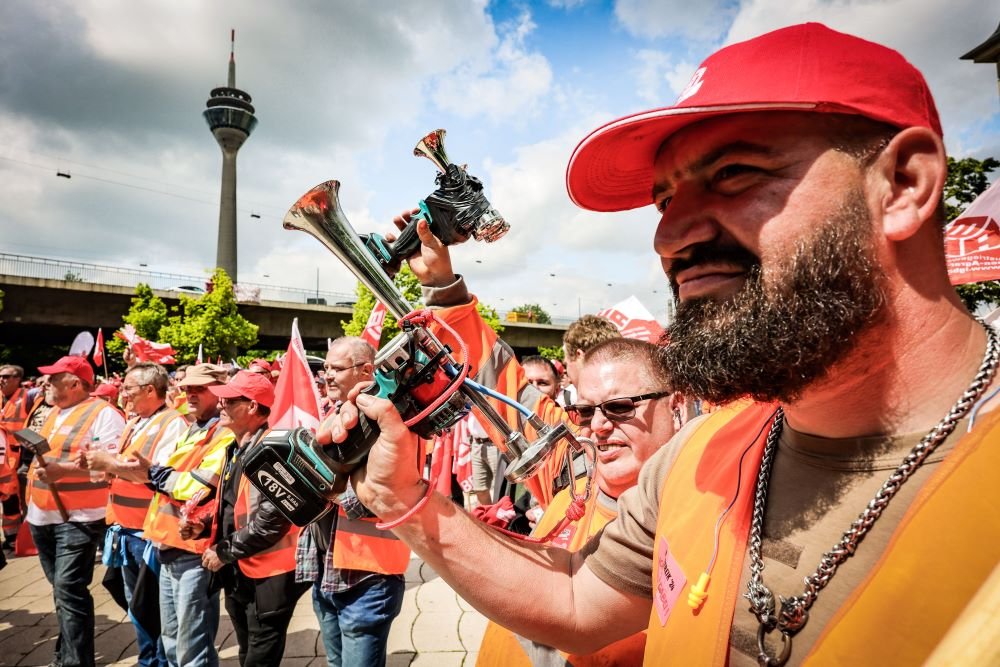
[[537, 314]]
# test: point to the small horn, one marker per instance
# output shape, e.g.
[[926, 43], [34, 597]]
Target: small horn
[[432, 148]]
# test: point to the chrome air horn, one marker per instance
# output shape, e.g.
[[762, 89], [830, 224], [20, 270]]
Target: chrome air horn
[[456, 210], [413, 371]]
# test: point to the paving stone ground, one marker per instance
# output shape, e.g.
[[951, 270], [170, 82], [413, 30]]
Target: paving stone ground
[[436, 628]]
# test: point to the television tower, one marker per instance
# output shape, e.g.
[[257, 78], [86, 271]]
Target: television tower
[[230, 117]]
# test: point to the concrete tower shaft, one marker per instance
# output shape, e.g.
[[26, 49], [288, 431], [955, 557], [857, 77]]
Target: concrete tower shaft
[[230, 116]]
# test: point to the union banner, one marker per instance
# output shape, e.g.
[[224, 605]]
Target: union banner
[[972, 241]]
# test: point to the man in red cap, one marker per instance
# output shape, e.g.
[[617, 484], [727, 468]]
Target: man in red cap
[[798, 183], [255, 544], [67, 505]]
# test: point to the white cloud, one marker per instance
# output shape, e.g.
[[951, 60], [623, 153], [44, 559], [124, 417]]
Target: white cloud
[[511, 81], [932, 35], [651, 19], [654, 69]]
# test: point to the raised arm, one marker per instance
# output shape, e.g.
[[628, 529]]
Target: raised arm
[[571, 608]]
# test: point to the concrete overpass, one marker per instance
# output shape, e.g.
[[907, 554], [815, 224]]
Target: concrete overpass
[[49, 311]]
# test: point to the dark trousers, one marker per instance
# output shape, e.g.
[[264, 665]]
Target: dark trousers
[[67, 553], [261, 627]]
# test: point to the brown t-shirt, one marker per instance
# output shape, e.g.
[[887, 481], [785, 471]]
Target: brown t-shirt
[[818, 487]]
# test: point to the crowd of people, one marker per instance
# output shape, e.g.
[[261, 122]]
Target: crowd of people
[[144, 471], [798, 182]]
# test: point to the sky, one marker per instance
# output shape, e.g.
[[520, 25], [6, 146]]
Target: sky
[[112, 93]]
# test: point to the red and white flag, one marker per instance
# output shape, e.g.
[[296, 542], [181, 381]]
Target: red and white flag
[[99, 349], [972, 241], [373, 330], [144, 350], [633, 320], [296, 401]]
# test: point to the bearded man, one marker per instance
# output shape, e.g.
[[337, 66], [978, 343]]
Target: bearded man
[[798, 181]]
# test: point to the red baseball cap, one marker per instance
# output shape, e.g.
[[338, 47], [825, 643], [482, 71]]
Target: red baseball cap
[[806, 67], [78, 366], [254, 386], [106, 389]]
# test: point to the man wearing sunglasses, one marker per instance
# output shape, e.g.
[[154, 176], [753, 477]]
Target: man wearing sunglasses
[[254, 544], [16, 406], [627, 407], [798, 184]]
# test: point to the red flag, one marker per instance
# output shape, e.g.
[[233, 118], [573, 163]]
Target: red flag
[[373, 330], [144, 350], [99, 349], [296, 401], [972, 241]]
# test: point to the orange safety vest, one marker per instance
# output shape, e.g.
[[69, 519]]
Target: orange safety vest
[[277, 559], [76, 493], [493, 364], [128, 502], [359, 545], [502, 648], [13, 417], [162, 524], [944, 548]]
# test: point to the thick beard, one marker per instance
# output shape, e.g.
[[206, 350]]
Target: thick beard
[[772, 341]]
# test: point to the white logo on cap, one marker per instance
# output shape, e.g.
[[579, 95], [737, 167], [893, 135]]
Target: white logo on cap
[[693, 85]]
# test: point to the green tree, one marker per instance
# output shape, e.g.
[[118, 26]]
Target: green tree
[[555, 353], [533, 310], [407, 284], [967, 178], [490, 316], [211, 320]]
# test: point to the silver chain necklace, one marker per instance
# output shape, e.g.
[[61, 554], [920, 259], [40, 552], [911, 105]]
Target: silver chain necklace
[[794, 612]]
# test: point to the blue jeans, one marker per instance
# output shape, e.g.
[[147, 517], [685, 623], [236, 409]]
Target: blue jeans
[[189, 612], [151, 653], [67, 553], [355, 624]]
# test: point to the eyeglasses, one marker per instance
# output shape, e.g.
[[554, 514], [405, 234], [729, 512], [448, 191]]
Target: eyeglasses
[[236, 399], [129, 388], [614, 409], [7, 377], [335, 370]]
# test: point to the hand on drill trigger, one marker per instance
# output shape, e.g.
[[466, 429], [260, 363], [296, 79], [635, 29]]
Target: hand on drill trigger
[[389, 483], [432, 264]]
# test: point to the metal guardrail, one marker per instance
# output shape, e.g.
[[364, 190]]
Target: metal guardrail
[[105, 274]]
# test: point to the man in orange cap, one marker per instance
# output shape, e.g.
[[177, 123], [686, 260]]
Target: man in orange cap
[[798, 184]]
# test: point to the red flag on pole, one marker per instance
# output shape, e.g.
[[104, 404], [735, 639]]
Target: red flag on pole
[[373, 330], [144, 350], [99, 349], [296, 401], [972, 241]]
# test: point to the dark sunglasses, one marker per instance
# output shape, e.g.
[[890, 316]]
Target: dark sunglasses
[[614, 409]]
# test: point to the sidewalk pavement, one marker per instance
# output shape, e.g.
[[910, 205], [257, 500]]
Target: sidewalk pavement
[[436, 628]]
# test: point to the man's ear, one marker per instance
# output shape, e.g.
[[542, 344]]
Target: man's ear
[[678, 406], [909, 178]]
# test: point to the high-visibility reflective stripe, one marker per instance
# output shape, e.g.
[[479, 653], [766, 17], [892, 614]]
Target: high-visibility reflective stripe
[[127, 501], [65, 442], [279, 558], [362, 527]]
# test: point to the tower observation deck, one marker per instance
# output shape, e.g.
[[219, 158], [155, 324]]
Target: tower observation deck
[[230, 116]]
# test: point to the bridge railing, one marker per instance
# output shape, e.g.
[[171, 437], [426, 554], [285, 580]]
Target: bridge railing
[[105, 274]]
